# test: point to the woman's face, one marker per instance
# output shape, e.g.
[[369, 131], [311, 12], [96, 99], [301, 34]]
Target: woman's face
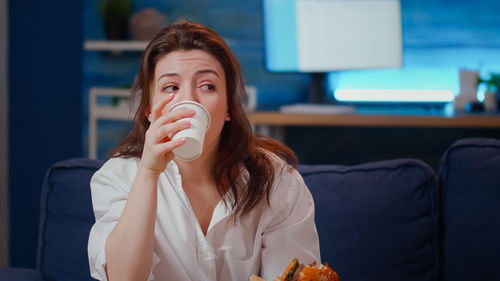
[[194, 76]]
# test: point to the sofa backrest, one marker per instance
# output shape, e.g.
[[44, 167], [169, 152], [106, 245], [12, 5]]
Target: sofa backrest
[[470, 178], [377, 221], [66, 217]]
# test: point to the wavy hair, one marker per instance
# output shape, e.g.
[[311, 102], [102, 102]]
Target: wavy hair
[[239, 147]]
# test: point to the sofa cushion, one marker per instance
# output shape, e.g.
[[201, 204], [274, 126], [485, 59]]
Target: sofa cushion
[[470, 176], [377, 221], [66, 217], [19, 274]]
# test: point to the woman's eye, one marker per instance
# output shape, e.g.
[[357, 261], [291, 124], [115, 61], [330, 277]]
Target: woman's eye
[[208, 87], [170, 88]]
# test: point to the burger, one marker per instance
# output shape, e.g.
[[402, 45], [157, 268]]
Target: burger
[[312, 272], [299, 272]]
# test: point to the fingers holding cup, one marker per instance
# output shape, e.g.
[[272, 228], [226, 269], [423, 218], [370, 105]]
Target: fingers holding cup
[[157, 108]]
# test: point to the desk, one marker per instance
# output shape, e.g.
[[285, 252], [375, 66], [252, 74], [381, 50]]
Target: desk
[[270, 118], [349, 139], [274, 123]]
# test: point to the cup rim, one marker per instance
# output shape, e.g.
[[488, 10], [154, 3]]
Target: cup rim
[[195, 103]]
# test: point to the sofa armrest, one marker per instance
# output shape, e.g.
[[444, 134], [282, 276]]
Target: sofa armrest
[[66, 217], [471, 217], [19, 274]]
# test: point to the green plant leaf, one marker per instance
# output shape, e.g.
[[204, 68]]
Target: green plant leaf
[[115, 10]]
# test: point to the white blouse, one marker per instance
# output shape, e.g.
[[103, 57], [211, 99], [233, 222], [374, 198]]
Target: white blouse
[[263, 243]]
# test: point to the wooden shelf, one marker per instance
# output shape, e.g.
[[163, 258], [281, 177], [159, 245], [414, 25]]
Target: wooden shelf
[[115, 46]]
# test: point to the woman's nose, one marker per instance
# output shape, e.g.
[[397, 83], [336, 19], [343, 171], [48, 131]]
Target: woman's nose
[[188, 94]]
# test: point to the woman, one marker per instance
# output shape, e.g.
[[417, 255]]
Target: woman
[[238, 209]]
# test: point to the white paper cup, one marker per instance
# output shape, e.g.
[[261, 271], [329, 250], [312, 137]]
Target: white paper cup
[[195, 134]]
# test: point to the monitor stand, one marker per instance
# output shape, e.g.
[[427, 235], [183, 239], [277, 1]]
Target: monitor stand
[[318, 102], [317, 89]]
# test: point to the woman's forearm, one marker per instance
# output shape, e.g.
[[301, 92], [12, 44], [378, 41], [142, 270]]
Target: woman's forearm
[[129, 247]]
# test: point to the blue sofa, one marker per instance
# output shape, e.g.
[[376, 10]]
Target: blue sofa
[[387, 220]]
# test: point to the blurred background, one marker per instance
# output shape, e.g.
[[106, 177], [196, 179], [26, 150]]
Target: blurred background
[[60, 61]]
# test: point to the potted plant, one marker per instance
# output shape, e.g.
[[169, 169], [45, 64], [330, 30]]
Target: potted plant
[[492, 85], [115, 15]]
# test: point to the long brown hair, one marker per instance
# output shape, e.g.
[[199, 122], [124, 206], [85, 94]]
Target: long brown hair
[[239, 147]]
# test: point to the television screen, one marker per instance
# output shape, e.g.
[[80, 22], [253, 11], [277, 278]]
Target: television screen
[[329, 35]]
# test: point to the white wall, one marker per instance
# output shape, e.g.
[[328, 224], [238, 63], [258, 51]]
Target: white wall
[[4, 120]]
